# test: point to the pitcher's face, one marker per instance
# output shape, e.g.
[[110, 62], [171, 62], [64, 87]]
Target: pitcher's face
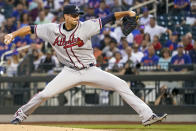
[[71, 19]]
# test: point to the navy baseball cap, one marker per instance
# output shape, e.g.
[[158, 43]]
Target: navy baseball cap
[[72, 9]]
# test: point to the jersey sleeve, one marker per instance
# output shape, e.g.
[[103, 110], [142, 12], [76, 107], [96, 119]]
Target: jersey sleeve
[[92, 27], [44, 31]]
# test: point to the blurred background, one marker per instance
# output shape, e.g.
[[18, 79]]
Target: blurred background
[[157, 59]]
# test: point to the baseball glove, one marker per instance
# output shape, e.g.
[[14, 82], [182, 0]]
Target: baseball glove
[[129, 24]]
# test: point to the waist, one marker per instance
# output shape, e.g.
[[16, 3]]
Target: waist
[[84, 67]]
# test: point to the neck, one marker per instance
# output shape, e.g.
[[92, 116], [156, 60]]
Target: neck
[[69, 26], [180, 54], [150, 55]]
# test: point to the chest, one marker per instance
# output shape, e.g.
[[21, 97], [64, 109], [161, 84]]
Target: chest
[[71, 41], [179, 60]]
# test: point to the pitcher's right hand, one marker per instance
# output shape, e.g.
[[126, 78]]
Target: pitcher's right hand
[[8, 38]]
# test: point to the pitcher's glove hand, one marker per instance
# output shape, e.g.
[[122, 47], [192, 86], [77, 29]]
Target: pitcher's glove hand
[[129, 24]]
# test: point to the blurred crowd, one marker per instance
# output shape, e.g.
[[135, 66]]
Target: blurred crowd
[[114, 52]]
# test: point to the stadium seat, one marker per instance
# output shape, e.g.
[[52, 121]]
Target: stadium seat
[[186, 28]]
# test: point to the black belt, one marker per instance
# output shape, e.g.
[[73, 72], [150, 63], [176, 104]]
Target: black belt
[[76, 68]]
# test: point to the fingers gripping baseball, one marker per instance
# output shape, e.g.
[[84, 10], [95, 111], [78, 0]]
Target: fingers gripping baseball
[[8, 39]]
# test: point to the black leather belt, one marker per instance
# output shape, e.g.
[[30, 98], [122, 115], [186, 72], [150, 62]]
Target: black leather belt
[[91, 64], [76, 68]]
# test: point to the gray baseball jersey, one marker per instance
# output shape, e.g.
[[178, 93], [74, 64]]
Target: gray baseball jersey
[[73, 48]]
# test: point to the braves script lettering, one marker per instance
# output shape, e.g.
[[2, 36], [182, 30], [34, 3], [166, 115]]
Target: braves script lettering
[[67, 44]]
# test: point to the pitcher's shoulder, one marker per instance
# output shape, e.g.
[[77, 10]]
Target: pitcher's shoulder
[[89, 22]]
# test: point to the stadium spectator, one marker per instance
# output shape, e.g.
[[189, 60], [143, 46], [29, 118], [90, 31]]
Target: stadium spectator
[[172, 42], [165, 59], [119, 35], [165, 97], [2, 18], [108, 31], [35, 42], [187, 42], [94, 3], [130, 58], [181, 7], [123, 46], [24, 20], [102, 11], [139, 37], [7, 8], [126, 4], [145, 43], [192, 53], [110, 49], [3, 47], [147, 38], [136, 31], [154, 29], [48, 62], [36, 59], [156, 43], [90, 14], [49, 15], [193, 7], [144, 48], [190, 20], [12, 64], [33, 9], [97, 52], [116, 63], [20, 9], [180, 59], [145, 19], [55, 5], [80, 3], [136, 53], [116, 6], [22, 54], [9, 26], [138, 10], [41, 19], [151, 59], [105, 42], [101, 62], [22, 41], [109, 3]]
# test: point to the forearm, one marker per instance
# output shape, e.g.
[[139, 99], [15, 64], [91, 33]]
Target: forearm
[[116, 16], [22, 31], [119, 15], [157, 101]]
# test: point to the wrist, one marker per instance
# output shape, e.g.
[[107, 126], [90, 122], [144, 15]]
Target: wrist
[[132, 13], [13, 35]]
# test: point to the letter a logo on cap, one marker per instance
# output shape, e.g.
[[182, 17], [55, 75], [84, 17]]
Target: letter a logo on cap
[[77, 8]]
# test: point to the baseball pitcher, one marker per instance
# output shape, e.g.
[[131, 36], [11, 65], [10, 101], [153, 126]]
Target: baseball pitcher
[[72, 42]]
